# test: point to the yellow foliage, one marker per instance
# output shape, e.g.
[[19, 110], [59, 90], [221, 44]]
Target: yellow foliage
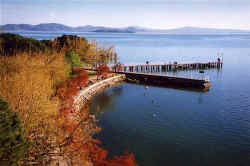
[[96, 54], [28, 84]]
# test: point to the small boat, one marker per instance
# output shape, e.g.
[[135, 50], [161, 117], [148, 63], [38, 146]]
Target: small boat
[[202, 71]]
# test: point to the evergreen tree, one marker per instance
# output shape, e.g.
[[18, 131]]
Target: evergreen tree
[[13, 145]]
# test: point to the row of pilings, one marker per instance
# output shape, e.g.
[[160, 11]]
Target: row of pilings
[[170, 67]]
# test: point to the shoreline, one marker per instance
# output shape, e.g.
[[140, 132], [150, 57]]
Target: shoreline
[[82, 98], [99, 155]]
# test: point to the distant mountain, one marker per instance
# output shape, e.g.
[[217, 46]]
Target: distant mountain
[[197, 30], [52, 27], [131, 29], [17, 27], [39, 27], [61, 27]]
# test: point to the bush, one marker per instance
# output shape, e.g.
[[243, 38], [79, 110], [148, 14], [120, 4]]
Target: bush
[[13, 145]]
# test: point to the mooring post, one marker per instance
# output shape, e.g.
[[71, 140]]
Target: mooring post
[[164, 68]]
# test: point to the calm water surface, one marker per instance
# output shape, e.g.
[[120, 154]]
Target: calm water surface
[[176, 127]]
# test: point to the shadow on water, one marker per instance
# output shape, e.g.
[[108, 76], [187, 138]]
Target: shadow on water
[[173, 87], [190, 73], [105, 99]]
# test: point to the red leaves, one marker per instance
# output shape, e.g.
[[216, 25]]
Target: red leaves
[[71, 87], [72, 83], [102, 70], [83, 73], [82, 78], [99, 157], [76, 70], [76, 146], [66, 92], [127, 160]]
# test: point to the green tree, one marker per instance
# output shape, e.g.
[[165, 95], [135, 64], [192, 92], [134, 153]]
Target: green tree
[[13, 145], [74, 59]]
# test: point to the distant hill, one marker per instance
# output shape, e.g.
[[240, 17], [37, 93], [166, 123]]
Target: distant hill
[[39, 27], [131, 29], [61, 27], [197, 30]]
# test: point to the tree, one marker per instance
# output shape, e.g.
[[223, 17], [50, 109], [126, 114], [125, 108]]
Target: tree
[[73, 59], [13, 44], [102, 71], [13, 145]]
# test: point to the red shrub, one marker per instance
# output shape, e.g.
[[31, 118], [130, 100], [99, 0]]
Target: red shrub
[[102, 70], [83, 78], [72, 83], [76, 70]]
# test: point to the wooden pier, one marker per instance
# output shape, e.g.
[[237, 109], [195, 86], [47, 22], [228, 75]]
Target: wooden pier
[[150, 74], [144, 68], [165, 80]]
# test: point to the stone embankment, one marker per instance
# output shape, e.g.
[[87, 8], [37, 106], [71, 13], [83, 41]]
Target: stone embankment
[[85, 95]]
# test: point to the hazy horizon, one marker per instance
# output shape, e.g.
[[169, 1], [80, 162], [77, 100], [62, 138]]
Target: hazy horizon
[[156, 14], [130, 26]]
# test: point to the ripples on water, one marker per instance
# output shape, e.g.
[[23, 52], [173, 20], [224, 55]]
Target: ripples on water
[[164, 126]]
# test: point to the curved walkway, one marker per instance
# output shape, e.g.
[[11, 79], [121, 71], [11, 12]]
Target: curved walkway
[[85, 95]]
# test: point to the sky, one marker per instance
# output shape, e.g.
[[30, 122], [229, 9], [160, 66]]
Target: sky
[[160, 14]]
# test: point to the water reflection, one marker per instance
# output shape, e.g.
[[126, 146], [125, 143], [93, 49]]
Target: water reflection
[[105, 100], [161, 124], [200, 99]]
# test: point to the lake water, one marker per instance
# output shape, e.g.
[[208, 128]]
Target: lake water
[[176, 127]]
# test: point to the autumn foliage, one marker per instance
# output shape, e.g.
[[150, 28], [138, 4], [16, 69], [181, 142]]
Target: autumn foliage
[[27, 83], [99, 157], [40, 85], [77, 142], [102, 71], [70, 87]]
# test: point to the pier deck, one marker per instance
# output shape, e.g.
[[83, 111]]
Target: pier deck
[[144, 73], [165, 80]]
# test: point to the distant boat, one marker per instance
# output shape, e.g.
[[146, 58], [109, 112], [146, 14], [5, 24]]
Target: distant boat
[[202, 71]]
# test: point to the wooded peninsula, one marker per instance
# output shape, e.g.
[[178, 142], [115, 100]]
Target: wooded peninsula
[[38, 82]]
